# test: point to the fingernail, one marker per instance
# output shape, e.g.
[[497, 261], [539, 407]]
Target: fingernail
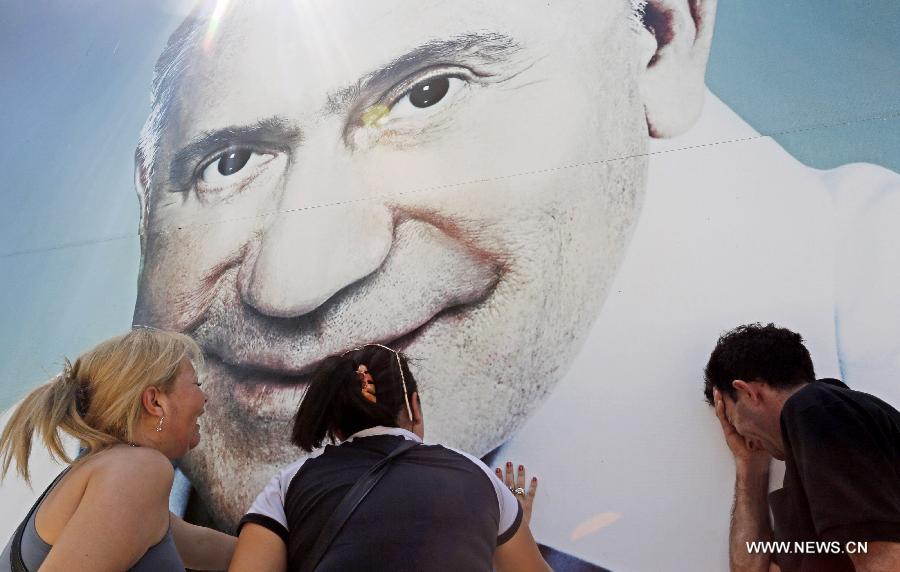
[[509, 463], [521, 467], [533, 479]]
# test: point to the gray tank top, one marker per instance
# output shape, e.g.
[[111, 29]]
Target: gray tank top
[[161, 557]]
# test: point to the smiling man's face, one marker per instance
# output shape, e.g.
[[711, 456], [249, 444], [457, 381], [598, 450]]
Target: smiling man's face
[[443, 178]]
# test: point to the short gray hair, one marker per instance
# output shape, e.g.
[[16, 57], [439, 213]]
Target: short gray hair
[[167, 72]]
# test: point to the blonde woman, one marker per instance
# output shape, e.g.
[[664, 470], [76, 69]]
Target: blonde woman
[[133, 402]]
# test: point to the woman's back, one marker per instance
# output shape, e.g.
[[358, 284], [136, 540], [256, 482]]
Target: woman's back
[[435, 509], [161, 556], [111, 485], [432, 509]]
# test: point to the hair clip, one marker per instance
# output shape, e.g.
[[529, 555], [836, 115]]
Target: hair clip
[[368, 384], [399, 365]]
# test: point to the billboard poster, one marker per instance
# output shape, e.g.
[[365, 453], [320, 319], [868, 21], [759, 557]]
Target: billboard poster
[[554, 208]]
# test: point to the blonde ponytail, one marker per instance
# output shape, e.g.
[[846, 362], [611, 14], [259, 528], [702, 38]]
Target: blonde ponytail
[[97, 399]]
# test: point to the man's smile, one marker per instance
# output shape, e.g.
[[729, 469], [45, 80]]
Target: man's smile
[[273, 373]]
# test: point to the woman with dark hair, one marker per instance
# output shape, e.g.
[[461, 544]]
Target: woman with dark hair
[[380, 499]]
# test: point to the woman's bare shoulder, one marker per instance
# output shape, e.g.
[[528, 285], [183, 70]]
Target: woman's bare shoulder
[[132, 468], [139, 480]]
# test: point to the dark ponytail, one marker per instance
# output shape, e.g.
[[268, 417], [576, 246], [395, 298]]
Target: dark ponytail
[[334, 407]]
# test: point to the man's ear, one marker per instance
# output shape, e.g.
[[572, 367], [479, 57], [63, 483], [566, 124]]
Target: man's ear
[[673, 80], [142, 188], [745, 389]]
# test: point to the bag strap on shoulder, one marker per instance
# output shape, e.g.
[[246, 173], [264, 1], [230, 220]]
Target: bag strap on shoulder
[[349, 503]]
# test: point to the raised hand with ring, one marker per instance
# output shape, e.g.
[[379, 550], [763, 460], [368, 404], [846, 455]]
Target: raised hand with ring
[[515, 482]]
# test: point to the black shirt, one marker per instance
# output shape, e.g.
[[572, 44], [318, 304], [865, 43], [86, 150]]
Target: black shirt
[[435, 508], [842, 475]]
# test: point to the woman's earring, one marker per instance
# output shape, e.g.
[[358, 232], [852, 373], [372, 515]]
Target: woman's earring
[[159, 425]]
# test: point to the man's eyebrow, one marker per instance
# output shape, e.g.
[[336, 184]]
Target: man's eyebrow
[[271, 133], [484, 47]]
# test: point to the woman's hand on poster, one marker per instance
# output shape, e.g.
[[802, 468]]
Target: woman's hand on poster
[[515, 482]]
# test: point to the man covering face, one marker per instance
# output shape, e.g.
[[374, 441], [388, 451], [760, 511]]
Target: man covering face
[[457, 180]]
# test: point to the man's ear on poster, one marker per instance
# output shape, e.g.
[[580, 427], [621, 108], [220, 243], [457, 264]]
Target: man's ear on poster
[[142, 188], [674, 47]]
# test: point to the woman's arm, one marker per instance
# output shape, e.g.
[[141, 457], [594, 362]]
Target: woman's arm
[[123, 511], [520, 553], [202, 548], [259, 550]]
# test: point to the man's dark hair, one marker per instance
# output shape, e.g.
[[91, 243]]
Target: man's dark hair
[[753, 352], [334, 404]]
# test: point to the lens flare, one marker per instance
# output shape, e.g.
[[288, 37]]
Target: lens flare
[[214, 21]]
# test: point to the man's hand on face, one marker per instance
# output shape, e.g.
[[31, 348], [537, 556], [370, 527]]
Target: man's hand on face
[[749, 455]]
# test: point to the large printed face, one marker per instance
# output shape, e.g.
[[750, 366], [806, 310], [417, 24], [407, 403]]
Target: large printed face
[[444, 178]]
